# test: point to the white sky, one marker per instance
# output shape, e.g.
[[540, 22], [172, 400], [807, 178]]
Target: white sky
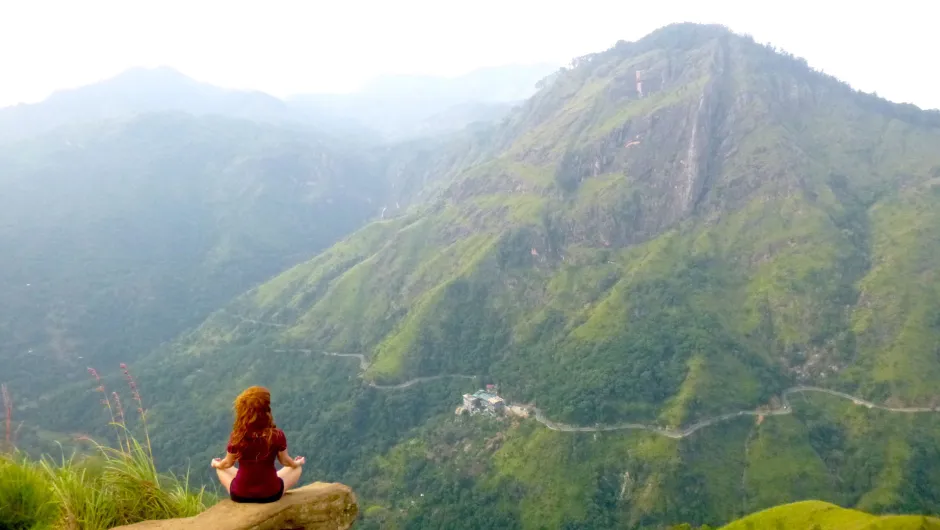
[[285, 47]]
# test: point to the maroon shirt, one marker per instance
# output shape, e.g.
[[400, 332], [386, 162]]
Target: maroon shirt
[[257, 478]]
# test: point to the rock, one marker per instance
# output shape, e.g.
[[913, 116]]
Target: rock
[[319, 506]]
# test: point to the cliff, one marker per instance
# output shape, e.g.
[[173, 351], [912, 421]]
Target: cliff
[[318, 506]]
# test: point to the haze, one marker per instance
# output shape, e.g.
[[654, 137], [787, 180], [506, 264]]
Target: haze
[[290, 47]]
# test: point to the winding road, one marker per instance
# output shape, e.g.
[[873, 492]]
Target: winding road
[[417, 380], [674, 433], [364, 365], [689, 430], [677, 433], [253, 321]]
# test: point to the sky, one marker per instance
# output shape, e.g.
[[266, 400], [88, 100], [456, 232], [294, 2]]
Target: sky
[[289, 47]]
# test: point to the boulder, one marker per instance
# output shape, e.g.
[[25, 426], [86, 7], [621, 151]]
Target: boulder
[[319, 506]]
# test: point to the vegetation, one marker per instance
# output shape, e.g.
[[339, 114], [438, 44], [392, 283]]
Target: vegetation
[[162, 219], [824, 516], [108, 488], [26, 498], [113, 489], [743, 225]]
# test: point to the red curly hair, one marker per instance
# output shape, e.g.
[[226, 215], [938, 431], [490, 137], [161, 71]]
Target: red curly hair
[[253, 419]]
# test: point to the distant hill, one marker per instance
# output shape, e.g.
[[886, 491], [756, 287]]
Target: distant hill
[[390, 108], [119, 235], [133, 207], [137, 91]]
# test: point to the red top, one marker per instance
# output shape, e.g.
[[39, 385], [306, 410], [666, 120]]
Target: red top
[[256, 477]]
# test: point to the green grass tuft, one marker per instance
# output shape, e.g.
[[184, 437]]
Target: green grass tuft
[[111, 487], [26, 501], [114, 488]]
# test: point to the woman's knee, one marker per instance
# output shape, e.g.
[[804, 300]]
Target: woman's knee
[[225, 477], [292, 477]]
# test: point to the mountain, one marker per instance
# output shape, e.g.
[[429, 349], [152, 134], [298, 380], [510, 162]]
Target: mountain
[[120, 235], [137, 91], [394, 107], [705, 270], [404, 107]]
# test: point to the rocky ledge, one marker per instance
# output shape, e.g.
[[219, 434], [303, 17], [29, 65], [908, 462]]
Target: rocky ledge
[[319, 506]]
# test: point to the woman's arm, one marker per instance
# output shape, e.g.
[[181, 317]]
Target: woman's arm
[[225, 463], [287, 461]]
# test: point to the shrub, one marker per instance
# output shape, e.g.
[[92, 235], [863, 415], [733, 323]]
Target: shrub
[[26, 500], [119, 487], [110, 487]]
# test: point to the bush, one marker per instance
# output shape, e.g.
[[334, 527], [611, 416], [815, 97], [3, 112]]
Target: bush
[[26, 500], [119, 487], [113, 487]]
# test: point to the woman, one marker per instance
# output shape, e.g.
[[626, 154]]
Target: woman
[[255, 443]]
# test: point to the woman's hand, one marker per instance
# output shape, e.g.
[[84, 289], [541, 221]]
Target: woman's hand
[[299, 461], [216, 463]]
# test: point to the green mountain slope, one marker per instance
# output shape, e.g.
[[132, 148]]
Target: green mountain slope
[[662, 253], [724, 226], [121, 235], [825, 516]]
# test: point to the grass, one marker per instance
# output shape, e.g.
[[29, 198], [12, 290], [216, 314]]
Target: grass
[[117, 488], [111, 487], [817, 515], [26, 500]]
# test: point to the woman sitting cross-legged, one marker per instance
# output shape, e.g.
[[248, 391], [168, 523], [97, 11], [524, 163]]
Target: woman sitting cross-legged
[[255, 443]]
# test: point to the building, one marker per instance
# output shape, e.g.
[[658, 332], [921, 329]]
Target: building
[[483, 401], [493, 403], [469, 402]]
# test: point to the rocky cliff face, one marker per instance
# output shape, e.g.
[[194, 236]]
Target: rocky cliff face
[[318, 506]]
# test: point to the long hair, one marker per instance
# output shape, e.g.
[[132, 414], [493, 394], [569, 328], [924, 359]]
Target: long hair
[[253, 419]]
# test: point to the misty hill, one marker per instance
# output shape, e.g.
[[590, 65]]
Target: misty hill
[[670, 233], [401, 107], [394, 107], [137, 91], [120, 235]]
